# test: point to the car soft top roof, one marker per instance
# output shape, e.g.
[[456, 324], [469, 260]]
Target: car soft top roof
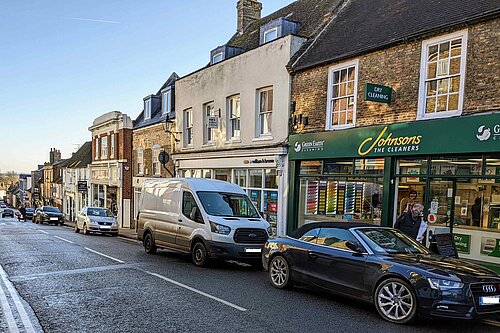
[[341, 225]]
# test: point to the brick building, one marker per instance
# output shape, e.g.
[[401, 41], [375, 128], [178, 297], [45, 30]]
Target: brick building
[[110, 170], [397, 103], [149, 138]]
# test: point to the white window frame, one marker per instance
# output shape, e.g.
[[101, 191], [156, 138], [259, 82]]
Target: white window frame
[[155, 151], [260, 114], [421, 114], [268, 32], [230, 118], [206, 130], [97, 148], [140, 161], [329, 112], [188, 127], [104, 147], [167, 101], [112, 145], [147, 109], [216, 56]]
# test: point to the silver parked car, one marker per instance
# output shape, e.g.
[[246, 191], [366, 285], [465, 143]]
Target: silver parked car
[[96, 219]]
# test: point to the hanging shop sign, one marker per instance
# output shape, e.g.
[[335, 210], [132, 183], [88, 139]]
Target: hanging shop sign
[[470, 134], [82, 186], [377, 93]]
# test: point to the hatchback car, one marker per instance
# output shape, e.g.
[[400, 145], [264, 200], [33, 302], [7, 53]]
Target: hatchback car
[[7, 212], [48, 214], [96, 219], [385, 267], [29, 213]]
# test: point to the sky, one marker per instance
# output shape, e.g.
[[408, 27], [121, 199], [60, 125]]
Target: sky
[[63, 63]]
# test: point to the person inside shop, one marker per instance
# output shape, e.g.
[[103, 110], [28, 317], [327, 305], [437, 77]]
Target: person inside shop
[[476, 212], [409, 222]]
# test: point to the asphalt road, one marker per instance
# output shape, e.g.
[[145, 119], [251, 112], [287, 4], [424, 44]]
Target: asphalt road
[[61, 281]]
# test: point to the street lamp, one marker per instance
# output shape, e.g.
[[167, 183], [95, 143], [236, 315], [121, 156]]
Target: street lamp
[[169, 126]]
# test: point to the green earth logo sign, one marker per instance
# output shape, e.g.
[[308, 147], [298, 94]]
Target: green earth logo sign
[[483, 133]]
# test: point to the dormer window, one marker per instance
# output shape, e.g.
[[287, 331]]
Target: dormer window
[[147, 109], [270, 35], [167, 101], [218, 57], [276, 29]]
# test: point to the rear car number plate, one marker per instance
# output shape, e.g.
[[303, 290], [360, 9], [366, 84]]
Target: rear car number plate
[[250, 250], [53, 218], [489, 300]]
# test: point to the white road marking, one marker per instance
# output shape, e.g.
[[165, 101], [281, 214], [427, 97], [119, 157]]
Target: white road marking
[[104, 255], [198, 291], [43, 232], [68, 241], [11, 323], [17, 301]]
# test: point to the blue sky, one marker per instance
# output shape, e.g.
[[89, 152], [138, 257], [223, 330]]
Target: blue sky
[[65, 62]]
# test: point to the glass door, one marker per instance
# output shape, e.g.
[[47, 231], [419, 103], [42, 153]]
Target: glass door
[[440, 203]]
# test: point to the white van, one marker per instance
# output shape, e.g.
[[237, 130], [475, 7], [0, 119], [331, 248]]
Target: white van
[[205, 217]]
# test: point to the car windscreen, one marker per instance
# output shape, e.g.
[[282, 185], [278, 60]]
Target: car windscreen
[[51, 210], [103, 212], [390, 241], [227, 204], [29, 210]]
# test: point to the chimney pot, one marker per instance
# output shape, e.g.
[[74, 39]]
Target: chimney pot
[[248, 12]]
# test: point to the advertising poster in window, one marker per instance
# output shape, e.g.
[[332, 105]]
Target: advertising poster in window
[[462, 243], [490, 247]]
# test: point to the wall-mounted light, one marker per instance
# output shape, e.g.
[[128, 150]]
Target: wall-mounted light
[[169, 126]]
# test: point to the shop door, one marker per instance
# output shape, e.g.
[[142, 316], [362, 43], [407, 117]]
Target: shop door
[[440, 202]]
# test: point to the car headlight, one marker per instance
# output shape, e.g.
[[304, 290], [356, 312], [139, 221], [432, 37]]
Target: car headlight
[[219, 228], [270, 231], [440, 284], [93, 222]]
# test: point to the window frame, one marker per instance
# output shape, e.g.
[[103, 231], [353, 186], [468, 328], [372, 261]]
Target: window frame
[[206, 129], [329, 112], [97, 148], [268, 32], [155, 166], [104, 147], [187, 127], [230, 127], [140, 161], [422, 88], [112, 145], [217, 55], [166, 101], [147, 109], [260, 113]]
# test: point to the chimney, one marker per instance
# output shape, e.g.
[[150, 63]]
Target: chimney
[[54, 156], [248, 12]]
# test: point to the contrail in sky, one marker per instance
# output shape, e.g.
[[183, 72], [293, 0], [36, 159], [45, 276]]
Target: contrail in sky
[[91, 20]]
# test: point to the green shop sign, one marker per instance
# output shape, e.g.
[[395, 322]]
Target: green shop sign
[[462, 243], [377, 93], [490, 247], [470, 134]]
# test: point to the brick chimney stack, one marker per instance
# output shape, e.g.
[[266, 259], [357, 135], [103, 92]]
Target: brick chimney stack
[[248, 12], [54, 156]]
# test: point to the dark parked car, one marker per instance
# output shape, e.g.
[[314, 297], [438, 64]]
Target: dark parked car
[[29, 213], [7, 212], [48, 214], [382, 266]]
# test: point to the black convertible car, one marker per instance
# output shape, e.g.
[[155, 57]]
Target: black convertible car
[[382, 266]]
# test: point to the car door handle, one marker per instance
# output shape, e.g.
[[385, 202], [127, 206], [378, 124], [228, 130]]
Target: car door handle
[[179, 220]]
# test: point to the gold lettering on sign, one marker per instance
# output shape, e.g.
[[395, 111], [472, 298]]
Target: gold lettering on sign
[[389, 141]]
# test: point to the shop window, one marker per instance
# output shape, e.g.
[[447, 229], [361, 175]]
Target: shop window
[[310, 167], [412, 166], [222, 174], [270, 178], [240, 177], [448, 166], [337, 167], [256, 178], [342, 96], [369, 166], [442, 76]]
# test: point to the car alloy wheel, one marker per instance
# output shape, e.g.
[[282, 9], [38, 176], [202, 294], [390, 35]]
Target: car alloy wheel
[[76, 228], [395, 301], [85, 230], [279, 273]]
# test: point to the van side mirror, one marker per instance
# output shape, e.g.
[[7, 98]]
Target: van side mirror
[[195, 215]]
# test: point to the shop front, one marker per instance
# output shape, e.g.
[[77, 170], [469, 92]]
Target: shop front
[[372, 174], [263, 177]]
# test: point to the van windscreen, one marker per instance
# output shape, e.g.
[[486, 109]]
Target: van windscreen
[[227, 204]]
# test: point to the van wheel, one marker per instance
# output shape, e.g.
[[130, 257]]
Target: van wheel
[[149, 244], [76, 228], [199, 254]]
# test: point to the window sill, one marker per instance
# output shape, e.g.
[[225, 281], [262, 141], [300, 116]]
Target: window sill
[[233, 141], [343, 127], [210, 144], [263, 138], [438, 115]]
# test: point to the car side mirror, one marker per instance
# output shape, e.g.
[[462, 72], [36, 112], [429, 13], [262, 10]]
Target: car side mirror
[[354, 247], [195, 215]]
